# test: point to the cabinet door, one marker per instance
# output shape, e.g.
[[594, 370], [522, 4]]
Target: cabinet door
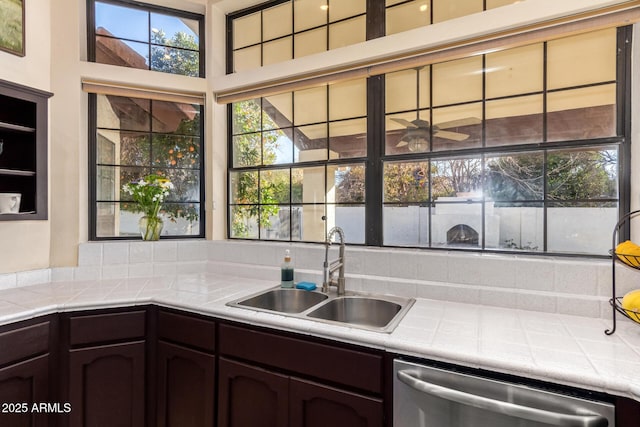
[[316, 405], [24, 383], [250, 397], [186, 387], [107, 385]]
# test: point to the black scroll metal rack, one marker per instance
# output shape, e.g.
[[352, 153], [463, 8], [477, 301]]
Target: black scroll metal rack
[[630, 260]]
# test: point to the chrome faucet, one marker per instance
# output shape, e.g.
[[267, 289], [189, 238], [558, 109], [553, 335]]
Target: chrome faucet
[[329, 268]]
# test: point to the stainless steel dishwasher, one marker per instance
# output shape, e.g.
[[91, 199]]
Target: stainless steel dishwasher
[[426, 396]]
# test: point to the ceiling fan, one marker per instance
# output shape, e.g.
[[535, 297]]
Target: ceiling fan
[[416, 136]]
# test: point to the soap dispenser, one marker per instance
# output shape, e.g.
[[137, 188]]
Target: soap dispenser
[[286, 271]]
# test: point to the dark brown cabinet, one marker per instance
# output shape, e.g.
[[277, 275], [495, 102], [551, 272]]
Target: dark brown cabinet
[[23, 149], [24, 373], [250, 396], [271, 379], [185, 367], [107, 369]]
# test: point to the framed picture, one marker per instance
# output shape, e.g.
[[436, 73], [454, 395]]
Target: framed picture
[[12, 28]]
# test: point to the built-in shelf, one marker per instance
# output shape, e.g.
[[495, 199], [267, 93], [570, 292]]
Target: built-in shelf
[[16, 172], [16, 128], [23, 149]]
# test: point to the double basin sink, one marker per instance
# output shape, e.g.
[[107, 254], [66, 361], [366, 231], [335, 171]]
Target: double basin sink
[[379, 313]]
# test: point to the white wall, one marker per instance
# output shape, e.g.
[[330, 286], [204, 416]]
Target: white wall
[[24, 245]]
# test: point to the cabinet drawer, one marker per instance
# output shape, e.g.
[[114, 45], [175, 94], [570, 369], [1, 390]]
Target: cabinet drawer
[[187, 330], [21, 343], [326, 362], [106, 327]]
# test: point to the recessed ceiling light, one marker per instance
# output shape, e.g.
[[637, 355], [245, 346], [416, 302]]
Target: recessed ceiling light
[[423, 7], [324, 7]]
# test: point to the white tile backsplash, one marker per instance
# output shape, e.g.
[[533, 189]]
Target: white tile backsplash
[[539, 284]]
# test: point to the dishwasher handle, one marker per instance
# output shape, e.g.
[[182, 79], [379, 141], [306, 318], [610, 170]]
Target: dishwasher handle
[[498, 406]]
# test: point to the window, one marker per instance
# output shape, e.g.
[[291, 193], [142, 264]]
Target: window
[[538, 128], [133, 137], [293, 29], [517, 150], [148, 37], [297, 157]]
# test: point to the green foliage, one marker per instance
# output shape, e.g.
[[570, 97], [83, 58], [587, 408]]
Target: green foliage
[[253, 148], [180, 55], [149, 192]]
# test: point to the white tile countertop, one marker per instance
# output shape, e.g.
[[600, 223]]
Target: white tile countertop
[[559, 348]]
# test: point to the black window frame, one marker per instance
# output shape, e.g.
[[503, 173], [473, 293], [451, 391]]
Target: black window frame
[[93, 175], [91, 28], [376, 138]]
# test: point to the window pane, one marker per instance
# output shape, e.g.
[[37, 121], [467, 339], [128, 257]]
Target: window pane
[[185, 219], [570, 227], [176, 151], [514, 120], [277, 111], [443, 10], [246, 116], [348, 138], [122, 22], [455, 177], [309, 13], [118, 112], [310, 105], [345, 183], [276, 21], [311, 224], [277, 147], [277, 51], [406, 133], [274, 186], [275, 222], [406, 182], [244, 221], [175, 117], [345, 33], [401, 89], [581, 113], [571, 60], [515, 177], [307, 185], [406, 16], [247, 58], [310, 143], [345, 9], [127, 148], [186, 184], [515, 226], [461, 127], [243, 187], [348, 99], [176, 61], [350, 218], [457, 81], [457, 222], [247, 150], [310, 42], [123, 53], [582, 174], [247, 30], [515, 71], [175, 31], [406, 225]]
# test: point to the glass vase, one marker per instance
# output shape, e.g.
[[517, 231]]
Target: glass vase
[[150, 227]]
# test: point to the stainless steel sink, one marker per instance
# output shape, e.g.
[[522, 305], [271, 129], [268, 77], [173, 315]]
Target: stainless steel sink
[[380, 313], [356, 310], [284, 300]]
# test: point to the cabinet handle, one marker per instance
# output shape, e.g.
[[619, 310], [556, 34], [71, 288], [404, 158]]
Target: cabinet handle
[[498, 406]]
